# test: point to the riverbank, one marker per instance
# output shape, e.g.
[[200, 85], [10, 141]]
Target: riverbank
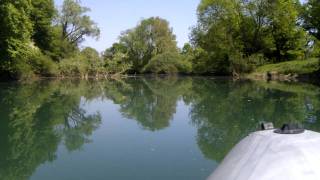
[[299, 70]]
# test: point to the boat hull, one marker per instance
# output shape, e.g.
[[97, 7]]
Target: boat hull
[[265, 155]]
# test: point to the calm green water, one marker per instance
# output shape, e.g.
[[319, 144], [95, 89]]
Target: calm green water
[[143, 128]]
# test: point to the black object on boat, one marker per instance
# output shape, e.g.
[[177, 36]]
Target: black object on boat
[[266, 126], [290, 128]]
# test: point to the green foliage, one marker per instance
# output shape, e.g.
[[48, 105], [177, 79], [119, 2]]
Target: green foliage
[[151, 42], [111, 52], [73, 67], [84, 64], [168, 63], [231, 37], [315, 49], [42, 14], [116, 59], [42, 65], [16, 30], [30, 40], [200, 61], [233, 33], [288, 38], [61, 48], [75, 24], [70, 29], [311, 17], [216, 34], [246, 64], [292, 67], [118, 64], [151, 37], [93, 59]]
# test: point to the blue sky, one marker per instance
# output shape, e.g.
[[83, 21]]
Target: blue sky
[[116, 16]]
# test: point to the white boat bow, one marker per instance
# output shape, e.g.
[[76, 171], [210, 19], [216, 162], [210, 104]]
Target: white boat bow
[[266, 155]]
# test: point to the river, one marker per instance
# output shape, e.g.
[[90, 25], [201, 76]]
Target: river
[[138, 128]]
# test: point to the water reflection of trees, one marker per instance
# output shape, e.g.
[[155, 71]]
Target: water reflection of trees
[[150, 101], [36, 118], [224, 112]]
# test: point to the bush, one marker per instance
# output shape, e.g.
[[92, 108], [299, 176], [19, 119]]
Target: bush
[[92, 61], [43, 65], [315, 52], [118, 64], [168, 63], [31, 63], [81, 65], [247, 64], [200, 61], [72, 67]]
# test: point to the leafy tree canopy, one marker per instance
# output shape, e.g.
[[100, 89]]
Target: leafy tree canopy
[[151, 37], [75, 24]]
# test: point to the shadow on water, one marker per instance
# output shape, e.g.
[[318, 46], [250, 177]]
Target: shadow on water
[[37, 117]]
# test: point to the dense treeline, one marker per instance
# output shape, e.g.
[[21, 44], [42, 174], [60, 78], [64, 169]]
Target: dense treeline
[[37, 38], [237, 36], [230, 38]]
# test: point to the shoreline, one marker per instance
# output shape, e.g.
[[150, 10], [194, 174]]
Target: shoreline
[[266, 77], [312, 78]]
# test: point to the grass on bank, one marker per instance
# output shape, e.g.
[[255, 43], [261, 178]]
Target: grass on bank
[[291, 67], [291, 87]]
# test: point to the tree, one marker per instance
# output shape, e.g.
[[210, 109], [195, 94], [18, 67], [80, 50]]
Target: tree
[[231, 34], [253, 28], [72, 26], [151, 37], [217, 33], [114, 49], [116, 59], [93, 59], [288, 38], [311, 17], [16, 30], [90, 54], [30, 40], [168, 63], [42, 14], [75, 24], [61, 48]]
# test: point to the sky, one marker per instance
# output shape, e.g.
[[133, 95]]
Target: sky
[[116, 16]]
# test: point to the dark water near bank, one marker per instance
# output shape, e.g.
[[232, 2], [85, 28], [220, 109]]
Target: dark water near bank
[[144, 128]]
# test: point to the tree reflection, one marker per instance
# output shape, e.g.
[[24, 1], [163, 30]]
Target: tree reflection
[[224, 112], [150, 101], [35, 118]]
